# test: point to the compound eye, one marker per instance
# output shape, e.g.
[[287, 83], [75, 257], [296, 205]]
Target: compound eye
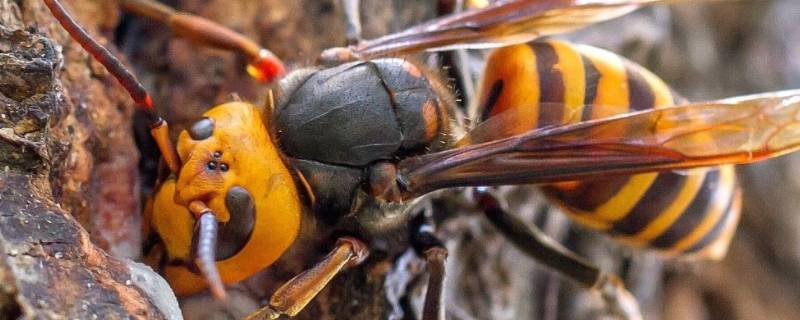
[[202, 129]]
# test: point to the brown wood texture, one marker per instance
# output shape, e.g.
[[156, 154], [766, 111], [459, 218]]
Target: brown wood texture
[[66, 156]]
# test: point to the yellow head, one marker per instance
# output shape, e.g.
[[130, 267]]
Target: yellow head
[[229, 149]]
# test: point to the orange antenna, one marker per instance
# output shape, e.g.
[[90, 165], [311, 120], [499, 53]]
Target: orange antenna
[[263, 65], [101, 54]]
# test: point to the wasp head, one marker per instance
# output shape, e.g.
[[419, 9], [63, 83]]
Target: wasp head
[[229, 147]]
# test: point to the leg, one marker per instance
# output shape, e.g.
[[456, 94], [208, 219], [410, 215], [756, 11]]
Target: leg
[[427, 245], [264, 66], [126, 79], [352, 21], [460, 57], [293, 296], [536, 244], [339, 55]]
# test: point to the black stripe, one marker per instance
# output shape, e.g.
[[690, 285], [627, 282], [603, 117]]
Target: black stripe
[[640, 94], [591, 81], [590, 194], [657, 198], [694, 214], [491, 100], [716, 231], [551, 84]]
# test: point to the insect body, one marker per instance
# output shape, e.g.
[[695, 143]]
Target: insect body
[[556, 83], [394, 111], [355, 143], [368, 113]]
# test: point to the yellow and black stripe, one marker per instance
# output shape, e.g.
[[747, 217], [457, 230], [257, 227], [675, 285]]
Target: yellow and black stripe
[[553, 82]]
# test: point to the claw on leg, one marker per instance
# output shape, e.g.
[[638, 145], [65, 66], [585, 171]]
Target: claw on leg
[[427, 245], [618, 299], [296, 293], [434, 297], [352, 20]]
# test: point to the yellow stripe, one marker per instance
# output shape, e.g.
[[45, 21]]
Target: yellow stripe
[[573, 74], [612, 88], [621, 203], [516, 66], [666, 218], [584, 218], [476, 4], [719, 248], [720, 202]]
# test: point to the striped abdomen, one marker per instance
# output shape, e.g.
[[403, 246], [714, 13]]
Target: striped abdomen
[[694, 211]]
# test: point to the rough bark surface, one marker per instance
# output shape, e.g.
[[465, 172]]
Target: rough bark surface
[[65, 151]]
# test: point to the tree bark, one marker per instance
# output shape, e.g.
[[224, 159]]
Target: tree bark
[[66, 156]]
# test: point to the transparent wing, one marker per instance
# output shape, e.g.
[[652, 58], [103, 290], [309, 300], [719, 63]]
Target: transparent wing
[[730, 131], [513, 121], [501, 23]]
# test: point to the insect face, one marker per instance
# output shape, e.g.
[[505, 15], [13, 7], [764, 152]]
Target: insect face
[[212, 157], [231, 165]]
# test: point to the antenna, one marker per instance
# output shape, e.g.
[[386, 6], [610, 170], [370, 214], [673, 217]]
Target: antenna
[[102, 55]]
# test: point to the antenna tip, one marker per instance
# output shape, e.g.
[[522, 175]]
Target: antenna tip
[[148, 103], [267, 67]]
